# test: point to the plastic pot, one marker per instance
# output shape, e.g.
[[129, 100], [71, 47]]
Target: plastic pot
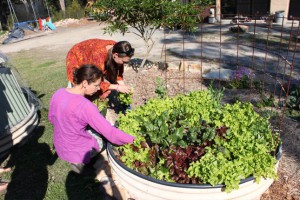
[[279, 16]]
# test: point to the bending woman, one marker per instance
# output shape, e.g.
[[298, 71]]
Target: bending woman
[[107, 55], [71, 114]]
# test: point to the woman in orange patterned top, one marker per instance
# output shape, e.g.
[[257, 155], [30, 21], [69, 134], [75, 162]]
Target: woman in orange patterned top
[[107, 55]]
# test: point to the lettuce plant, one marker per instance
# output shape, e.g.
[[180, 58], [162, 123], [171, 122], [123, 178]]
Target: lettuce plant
[[193, 138]]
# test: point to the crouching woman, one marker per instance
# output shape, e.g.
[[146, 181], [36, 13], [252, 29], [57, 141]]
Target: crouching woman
[[72, 116]]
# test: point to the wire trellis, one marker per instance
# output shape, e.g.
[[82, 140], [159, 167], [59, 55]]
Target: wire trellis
[[217, 52]]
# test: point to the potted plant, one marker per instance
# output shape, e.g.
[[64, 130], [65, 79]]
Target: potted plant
[[194, 147]]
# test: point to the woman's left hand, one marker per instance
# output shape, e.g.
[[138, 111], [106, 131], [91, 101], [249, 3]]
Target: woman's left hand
[[121, 82], [123, 88]]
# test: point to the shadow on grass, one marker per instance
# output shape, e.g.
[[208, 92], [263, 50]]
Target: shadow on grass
[[86, 186], [29, 179], [83, 186]]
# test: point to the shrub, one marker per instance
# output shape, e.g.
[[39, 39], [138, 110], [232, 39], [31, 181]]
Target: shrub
[[241, 78]]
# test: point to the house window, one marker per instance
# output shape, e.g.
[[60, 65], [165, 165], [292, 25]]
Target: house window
[[294, 9], [250, 8], [228, 8]]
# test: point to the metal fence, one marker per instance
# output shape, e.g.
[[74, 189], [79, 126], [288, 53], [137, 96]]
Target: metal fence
[[255, 60]]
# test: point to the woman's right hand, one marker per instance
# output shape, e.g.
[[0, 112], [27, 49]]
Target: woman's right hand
[[123, 88]]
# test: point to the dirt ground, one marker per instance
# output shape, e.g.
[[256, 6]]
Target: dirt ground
[[144, 82]]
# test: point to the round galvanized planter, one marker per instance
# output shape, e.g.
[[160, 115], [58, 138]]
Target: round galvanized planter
[[18, 112], [19, 131], [142, 187]]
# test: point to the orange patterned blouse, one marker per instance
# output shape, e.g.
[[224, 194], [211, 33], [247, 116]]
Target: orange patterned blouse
[[92, 51]]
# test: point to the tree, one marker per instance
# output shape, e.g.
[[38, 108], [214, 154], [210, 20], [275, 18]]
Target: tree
[[62, 5], [146, 16], [3, 14]]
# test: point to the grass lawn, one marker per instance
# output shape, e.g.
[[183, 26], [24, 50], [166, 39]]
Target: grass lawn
[[37, 173]]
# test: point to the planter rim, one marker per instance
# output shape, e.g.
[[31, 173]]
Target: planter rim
[[181, 185]]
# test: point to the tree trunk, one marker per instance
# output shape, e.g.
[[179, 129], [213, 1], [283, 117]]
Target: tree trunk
[[26, 5], [149, 48], [218, 10], [62, 5], [3, 19]]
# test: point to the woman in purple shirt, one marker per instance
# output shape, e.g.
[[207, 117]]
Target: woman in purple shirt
[[71, 113]]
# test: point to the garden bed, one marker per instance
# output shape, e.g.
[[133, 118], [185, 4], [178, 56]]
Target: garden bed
[[286, 186]]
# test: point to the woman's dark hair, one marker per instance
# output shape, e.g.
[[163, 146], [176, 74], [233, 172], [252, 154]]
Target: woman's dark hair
[[87, 72], [123, 49]]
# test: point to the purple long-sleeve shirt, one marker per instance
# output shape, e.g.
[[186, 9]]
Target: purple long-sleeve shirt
[[70, 114]]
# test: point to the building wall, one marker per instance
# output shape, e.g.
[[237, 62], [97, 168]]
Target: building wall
[[277, 5]]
